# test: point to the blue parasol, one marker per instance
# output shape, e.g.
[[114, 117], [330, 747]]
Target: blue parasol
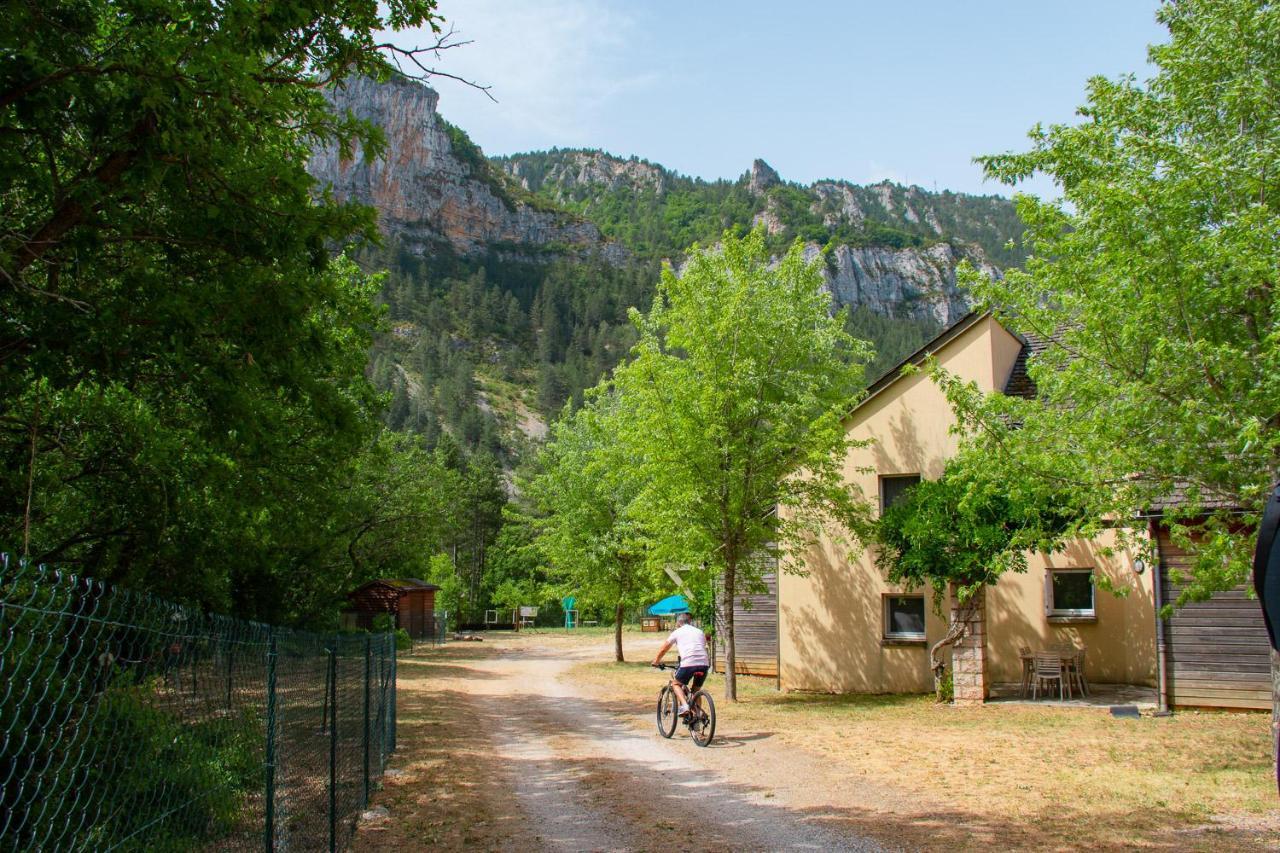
[[669, 605]]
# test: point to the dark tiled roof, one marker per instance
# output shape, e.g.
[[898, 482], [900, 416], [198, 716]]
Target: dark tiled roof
[[1020, 383], [1176, 497]]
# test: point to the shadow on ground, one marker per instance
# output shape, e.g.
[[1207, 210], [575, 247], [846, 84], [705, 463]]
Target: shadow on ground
[[459, 785]]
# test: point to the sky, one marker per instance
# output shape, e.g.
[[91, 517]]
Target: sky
[[908, 91]]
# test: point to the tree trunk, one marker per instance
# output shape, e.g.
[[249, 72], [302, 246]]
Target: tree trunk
[[730, 650], [617, 631]]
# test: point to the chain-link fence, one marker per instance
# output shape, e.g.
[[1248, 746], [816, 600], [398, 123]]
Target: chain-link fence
[[131, 723]]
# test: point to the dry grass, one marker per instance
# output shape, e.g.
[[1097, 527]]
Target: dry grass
[[1017, 775]]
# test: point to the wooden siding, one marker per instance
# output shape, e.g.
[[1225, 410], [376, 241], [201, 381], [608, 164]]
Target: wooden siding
[[415, 614], [411, 608], [1218, 652], [756, 629]]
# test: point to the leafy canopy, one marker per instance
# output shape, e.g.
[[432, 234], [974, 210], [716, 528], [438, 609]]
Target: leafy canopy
[[970, 526], [181, 351], [584, 494], [1155, 279], [732, 406]]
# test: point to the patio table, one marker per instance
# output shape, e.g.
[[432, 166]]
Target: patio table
[[1070, 665]]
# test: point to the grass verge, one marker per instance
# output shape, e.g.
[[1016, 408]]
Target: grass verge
[[1023, 775]]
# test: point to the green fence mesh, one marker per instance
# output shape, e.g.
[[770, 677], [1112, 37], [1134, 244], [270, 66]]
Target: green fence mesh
[[132, 723]]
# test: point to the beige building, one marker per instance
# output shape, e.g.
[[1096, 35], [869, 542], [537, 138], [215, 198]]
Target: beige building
[[842, 628]]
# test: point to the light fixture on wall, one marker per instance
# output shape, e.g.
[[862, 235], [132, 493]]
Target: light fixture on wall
[[1139, 566]]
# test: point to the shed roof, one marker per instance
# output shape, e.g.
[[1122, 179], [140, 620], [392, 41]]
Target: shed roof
[[400, 584]]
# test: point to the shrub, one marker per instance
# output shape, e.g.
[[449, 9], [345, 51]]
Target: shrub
[[153, 762], [946, 687]]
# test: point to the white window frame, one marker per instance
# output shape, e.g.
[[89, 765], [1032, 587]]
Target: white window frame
[[899, 636], [1050, 608]]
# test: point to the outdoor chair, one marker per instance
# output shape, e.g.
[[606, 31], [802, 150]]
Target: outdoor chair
[[1077, 670], [1073, 666], [1028, 668], [1048, 667]]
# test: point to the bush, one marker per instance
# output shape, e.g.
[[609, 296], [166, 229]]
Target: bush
[[946, 687], [383, 622], [404, 643], [154, 762]]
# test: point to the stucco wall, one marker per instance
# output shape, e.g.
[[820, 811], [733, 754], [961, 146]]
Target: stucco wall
[[831, 619]]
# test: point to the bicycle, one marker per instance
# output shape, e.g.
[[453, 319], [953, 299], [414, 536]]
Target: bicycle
[[700, 719]]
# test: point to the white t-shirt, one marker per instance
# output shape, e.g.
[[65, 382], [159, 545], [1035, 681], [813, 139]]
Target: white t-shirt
[[691, 643]]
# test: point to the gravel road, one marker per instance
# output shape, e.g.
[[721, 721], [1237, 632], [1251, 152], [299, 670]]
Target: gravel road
[[566, 773]]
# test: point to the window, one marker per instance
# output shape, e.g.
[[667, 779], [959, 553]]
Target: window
[[1069, 592], [892, 488], [904, 617]]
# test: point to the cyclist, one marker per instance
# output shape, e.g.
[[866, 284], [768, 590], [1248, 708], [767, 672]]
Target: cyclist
[[691, 646]]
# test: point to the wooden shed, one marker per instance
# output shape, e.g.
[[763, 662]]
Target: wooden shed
[[755, 628], [1217, 651], [411, 601]]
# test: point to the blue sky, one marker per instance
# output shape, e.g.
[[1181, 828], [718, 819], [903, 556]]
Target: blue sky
[[909, 91]]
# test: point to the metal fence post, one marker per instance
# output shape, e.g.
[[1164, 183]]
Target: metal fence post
[[230, 660], [384, 691], [368, 676], [333, 745], [391, 641], [269, 824]]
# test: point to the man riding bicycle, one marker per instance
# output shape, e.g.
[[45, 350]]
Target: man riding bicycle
[[691, 646]]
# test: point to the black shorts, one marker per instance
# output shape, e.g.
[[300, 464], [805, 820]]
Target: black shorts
[[697, 673]]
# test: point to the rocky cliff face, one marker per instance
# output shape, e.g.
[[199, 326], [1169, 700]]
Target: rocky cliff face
[[916, 283], [894, 249], [434, 188], [428, 192], [588, 169]]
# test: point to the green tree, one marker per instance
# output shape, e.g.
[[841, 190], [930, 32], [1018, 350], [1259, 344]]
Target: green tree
[[441, 572], [1154, 281], [182, 353], [958, 534], [732, 414], [584, 492]]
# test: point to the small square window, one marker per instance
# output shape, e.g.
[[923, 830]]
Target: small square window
[[904, 617], [892, 488], [1070, 592]]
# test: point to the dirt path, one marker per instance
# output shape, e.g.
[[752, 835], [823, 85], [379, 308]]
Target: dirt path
[[495, 751]]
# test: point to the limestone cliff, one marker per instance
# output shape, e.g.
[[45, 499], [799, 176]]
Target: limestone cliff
[[892, 249], [576, 170], [433, 187], [919, 283]]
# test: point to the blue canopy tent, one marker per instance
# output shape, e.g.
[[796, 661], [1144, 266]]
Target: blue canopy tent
[[670, 605]]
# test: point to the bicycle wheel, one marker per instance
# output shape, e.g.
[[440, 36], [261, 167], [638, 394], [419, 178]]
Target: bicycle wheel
[[667, 712], [702, 718]]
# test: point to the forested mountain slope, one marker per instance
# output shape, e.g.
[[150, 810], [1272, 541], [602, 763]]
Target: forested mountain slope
[[510, 278]]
